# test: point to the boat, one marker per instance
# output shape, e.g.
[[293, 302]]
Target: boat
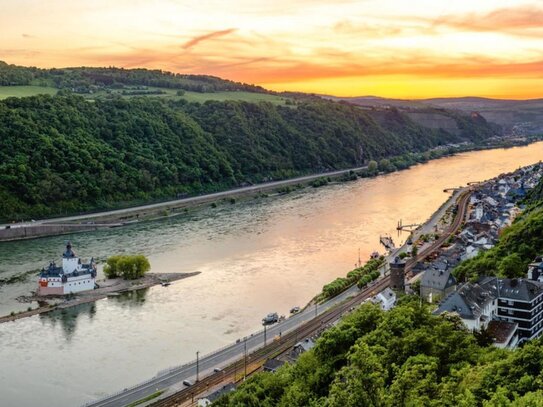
[[70, 278]]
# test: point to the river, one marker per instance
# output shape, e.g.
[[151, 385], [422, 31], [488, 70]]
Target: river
[[255, 256]]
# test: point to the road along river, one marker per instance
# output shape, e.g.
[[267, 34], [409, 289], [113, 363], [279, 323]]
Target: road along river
[[255, 257]]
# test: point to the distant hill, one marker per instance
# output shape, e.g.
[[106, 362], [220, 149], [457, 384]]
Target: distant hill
[[65, 154], [79, 139], [90, 80], [516, 117]]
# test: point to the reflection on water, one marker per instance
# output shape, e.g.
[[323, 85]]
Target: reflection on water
[[255, 257], [67, 318], [130, 299]]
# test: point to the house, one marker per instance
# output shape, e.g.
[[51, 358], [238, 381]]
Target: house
[[521, 301], [386, 299], [272, 365], [301, 347], [210, 398], [471, 251], [503, 334], [475, 305], [535, 269], [436, 284]]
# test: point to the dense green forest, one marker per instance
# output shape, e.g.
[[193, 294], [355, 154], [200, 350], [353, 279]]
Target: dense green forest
[[518, 245], [64, 154], [403, 357]]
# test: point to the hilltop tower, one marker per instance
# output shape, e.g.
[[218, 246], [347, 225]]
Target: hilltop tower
[[397, 275]]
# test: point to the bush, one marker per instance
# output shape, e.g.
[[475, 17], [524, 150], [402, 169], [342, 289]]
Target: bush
[[129, 267]]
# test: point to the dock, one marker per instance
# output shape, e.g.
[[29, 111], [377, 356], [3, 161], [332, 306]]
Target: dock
[[387, 242]]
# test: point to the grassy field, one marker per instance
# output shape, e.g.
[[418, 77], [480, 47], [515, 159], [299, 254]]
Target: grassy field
[[201, 97], [245, 96], [21, 91]]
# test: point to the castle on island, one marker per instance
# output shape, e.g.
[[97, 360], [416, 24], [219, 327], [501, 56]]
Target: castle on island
[[70, 278]]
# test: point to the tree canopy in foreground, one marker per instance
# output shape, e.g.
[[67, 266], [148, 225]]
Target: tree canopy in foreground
[[403, 357]]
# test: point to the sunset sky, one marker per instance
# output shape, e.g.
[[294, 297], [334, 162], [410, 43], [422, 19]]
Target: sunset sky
[[391, 48]]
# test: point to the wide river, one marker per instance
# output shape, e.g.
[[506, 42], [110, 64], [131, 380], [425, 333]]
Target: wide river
[[256, 256]]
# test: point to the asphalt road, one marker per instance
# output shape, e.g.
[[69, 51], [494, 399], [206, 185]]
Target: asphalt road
[[251, 343], [220, 358], [191, 200]]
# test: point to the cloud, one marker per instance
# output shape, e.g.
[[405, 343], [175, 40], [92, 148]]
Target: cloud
[[523, 20], [27, 35], [215, 34]]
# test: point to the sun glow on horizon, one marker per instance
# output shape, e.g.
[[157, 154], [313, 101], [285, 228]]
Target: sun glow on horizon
[[347, 48]]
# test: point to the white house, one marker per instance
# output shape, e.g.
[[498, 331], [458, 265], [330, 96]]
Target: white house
[[386, 298]]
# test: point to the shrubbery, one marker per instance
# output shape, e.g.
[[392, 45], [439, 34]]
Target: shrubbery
[[403, 357], [368, 272], [129, 267]]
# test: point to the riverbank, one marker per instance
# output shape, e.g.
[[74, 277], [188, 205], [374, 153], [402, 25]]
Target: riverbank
[[131, 215], [257, 256], [107, 288]]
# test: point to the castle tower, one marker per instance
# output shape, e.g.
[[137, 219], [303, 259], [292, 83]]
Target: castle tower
[[397, 275]]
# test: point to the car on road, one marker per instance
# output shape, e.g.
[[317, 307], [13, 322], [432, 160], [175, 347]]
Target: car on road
[[271, 318], [295, 310], [217, 370], [187, 383]]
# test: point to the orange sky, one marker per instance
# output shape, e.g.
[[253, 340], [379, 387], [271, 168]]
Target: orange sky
[[392, 48]]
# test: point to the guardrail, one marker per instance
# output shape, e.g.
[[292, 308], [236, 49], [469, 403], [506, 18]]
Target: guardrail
[[179, 368]]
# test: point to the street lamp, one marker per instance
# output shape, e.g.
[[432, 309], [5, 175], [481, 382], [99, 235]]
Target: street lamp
[[197, 365], [264, 335], [315, 309], [245, 358]]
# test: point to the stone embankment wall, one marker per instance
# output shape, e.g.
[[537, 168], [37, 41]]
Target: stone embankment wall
[[39, 230]]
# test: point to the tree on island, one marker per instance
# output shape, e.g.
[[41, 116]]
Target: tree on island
[[129, 267]]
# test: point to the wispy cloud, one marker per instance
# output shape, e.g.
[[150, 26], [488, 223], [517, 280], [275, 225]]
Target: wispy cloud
[[525, 20], [209, 36]]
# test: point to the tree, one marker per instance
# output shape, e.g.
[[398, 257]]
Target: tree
[[372, 167], [129, 267], [384, 165], [512, 266], [361, 383]]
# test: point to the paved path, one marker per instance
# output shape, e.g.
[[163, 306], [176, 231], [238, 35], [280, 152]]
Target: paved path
[[186, 201]]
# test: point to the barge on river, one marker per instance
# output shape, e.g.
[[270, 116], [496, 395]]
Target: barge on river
[[70, 278]]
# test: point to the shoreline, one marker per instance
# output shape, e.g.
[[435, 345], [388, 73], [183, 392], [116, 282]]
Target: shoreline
[[160, 210], [115, 287]]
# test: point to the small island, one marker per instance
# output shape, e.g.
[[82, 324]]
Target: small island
[[59, 286]]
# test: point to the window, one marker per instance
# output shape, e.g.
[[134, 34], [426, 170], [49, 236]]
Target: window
[[510, 302]]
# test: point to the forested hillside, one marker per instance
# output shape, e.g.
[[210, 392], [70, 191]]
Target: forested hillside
[[63, 154], [403, 357], [518, 245], [86, 79]]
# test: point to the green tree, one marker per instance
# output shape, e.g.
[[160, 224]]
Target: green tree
[[129, 267], [373, 167], [512, 266]]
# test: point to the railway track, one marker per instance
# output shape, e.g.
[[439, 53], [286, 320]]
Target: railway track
[[452, 229], [242, 368], [232, 372]]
